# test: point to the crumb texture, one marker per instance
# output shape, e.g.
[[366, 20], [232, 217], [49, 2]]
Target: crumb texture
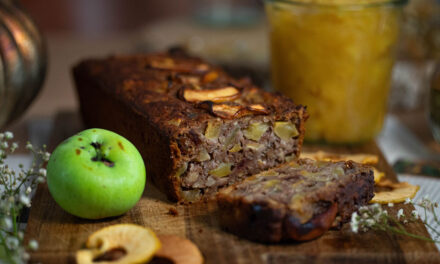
[[303, 195]]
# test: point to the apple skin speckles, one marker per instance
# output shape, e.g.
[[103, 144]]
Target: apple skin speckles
[[120, 145], [78, 169]]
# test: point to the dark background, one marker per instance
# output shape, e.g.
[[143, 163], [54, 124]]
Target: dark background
[[102, 16]]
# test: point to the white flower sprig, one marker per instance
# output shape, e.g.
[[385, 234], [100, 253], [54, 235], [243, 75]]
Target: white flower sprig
[[15, 194], [374, 217]]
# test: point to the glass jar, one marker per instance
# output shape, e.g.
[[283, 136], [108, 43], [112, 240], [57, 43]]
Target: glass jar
[[335, 57]]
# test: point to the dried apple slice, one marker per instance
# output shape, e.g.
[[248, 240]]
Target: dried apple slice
[[219, 95], [177, 250], [170, 65], [228, 111], [238, 111], [254, 109], [378, 175], [399, 192], [224, 111], [258, 109], [122, 243]]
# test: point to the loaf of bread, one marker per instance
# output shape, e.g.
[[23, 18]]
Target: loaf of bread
[[197, 128], [298, 201]]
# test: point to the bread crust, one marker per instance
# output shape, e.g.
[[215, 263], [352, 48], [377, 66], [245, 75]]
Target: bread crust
[[269, 221], [134, 97]]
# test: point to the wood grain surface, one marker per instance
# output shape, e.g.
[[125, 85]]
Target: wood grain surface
[[60, 234]]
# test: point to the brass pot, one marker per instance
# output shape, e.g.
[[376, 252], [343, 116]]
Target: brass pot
[[23, 61]]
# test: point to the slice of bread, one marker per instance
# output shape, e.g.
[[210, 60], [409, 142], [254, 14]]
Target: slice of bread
[[299, 200]]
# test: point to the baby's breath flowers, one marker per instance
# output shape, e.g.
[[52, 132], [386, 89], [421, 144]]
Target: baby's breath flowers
[[374, 217], [15, 194]]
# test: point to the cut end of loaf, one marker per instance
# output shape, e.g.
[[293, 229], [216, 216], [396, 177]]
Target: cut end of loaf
[[299, 200]]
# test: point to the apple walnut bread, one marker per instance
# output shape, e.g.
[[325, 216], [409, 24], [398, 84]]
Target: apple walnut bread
[[299, 200], [197, 128]]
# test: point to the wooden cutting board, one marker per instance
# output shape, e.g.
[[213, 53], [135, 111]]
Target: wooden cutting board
[[60, 234]]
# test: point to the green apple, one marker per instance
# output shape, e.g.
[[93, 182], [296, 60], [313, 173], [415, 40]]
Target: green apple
[[96, 174]]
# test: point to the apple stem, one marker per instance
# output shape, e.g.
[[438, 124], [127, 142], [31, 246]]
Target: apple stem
[[100, 157], [97, 147]]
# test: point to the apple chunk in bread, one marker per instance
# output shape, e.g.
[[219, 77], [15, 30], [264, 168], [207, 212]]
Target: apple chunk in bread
[[219, 95], [96, 174]]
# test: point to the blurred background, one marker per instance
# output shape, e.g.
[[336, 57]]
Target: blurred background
[[230, 32], [75, 29], [233, 33]]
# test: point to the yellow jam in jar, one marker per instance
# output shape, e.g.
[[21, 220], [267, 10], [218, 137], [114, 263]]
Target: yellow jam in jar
[[336, 57]]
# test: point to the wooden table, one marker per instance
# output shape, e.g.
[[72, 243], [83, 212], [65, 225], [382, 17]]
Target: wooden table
[[61, 234]]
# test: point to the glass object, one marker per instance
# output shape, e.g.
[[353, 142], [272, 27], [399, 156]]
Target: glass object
[[336, 57], [419, 46], [434, 104], [23, 61]]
